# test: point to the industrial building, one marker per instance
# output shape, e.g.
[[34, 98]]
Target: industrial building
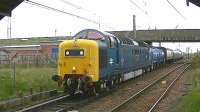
[[29, 53]]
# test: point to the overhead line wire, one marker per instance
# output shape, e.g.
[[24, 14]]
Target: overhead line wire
[[60, 11], [81, 8], [74, 5], [138, 7], [175, 9]]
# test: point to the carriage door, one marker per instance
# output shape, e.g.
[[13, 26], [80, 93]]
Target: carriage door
[[113, 55]]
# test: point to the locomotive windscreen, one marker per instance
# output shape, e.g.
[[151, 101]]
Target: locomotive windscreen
[[74, 52], [89, 34]]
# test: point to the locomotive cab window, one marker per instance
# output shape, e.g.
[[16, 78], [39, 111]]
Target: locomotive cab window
[[74, 52], [81, 35], [93, 35]]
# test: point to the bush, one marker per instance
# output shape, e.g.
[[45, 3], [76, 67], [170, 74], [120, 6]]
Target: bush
[[195, 61]]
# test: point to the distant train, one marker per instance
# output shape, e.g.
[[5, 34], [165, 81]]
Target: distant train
[[95, 60], [162, 55]]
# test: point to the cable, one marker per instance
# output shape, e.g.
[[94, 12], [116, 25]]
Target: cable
[[74, 5], [175, 9], [64, 12], [71, 4], [60, 11], [138, 7], [77, 6]]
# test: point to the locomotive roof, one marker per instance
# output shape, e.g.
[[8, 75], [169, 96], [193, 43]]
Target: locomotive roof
[[95, 33], [92, 30]]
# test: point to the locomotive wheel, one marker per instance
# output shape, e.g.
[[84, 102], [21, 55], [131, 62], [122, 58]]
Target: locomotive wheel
[[72, 90], [92, 91], [86, 88], [116, 83], [65, 87], [99, 87], [72, 87], [89, 90], [120, 79], [152, 67], [110, 83]]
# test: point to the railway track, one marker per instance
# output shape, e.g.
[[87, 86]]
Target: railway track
[[149, 97], [62, 104], [42, 105]]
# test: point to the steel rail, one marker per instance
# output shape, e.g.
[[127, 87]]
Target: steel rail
[[168, 88], [145, 88], [43, 104]]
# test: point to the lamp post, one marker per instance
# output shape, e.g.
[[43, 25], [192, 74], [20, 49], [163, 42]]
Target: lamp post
[[14, 76], [134, 26]]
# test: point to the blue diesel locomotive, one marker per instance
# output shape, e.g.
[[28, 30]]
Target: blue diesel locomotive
[[158, 56], [95, 60]]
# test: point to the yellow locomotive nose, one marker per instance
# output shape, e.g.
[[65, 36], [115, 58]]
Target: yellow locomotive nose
[[78, 58]]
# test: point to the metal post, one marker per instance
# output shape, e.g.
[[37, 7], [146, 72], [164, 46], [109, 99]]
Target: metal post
[[31, 91], [14, 78], [9, 28], [188, 52], [55, 31], [187, 2], [134, 26], [159, 44], [99, 24]]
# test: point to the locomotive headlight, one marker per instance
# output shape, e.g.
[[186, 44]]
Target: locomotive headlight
[[67, 53], [81, 52], [73, 68]]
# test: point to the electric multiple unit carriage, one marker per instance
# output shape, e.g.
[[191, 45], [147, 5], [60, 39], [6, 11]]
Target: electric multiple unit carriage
[[95, 60]]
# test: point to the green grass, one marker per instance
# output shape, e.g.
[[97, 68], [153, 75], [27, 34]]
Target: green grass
[[30, 41], [191, 102], [26, 78]]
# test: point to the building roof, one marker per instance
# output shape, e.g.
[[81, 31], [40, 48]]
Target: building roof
[[195, 2], [20, 46], [6, 7], [4, 50]]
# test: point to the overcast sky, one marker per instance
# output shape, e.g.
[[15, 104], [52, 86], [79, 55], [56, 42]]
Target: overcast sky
[[32, 21]]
